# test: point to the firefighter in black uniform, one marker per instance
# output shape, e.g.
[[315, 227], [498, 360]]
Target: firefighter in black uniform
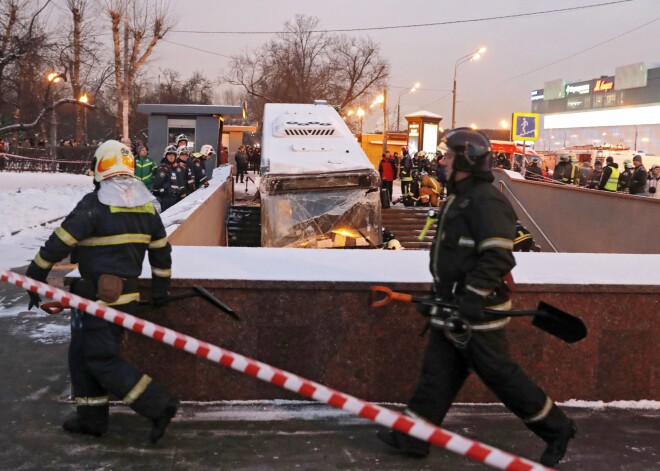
[[471, 254], [199, 165], [183, 154], [169, 179], [107, 234]]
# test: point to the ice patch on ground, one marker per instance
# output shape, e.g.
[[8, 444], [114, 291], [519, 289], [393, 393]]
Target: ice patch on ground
[[644, 404]]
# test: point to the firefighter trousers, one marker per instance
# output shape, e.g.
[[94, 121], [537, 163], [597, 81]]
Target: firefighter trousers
[[97, 368], [446, 367]]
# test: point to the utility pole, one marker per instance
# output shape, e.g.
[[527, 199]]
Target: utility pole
[[384, 120]]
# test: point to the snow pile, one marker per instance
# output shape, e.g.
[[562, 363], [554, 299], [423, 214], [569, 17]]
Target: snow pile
[[643, 404]]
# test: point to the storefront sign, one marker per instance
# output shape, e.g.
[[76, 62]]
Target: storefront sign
[[577, 89], [537, 95], [603, 85]]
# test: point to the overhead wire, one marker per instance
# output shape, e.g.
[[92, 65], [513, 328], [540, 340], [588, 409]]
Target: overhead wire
[[420, 25]]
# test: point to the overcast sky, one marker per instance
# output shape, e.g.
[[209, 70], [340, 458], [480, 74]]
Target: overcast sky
[[489, 90]]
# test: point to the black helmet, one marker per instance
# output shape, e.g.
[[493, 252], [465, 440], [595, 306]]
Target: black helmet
[[471, 149]]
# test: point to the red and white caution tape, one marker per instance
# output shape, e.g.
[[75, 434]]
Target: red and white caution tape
[[414, 427], [47, 159]]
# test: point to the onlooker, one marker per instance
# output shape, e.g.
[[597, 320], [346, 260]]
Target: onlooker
[[440, 168], [241, 163], [387, 171], [594, 181], [639, 178], [534, 172], [654, 181], [609, 180], [585, 174], [502, 161]]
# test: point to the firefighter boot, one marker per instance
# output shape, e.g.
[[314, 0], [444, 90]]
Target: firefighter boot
[[89, 420], [405, 444], [159, 424], [556, 448], [556, 430]]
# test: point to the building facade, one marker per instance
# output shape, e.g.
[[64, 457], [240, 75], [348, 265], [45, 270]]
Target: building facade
[[620, 110]]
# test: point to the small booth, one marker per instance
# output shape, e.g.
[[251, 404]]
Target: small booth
[[202, 124], [423, 129]]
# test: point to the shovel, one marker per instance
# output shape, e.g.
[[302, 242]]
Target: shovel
[[56, 307], [546, 317]]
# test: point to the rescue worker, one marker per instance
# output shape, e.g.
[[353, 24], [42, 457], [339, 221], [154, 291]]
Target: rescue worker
[[470, 256], [107, 234], [625, 176], [181, 141], [198, 165], [609, 179], [144, 167], [405, 171], [169, 179], [565, 171], [183, 154], [534, 171]]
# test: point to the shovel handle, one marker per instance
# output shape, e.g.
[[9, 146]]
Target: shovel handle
[[377, 299], [53, 307]]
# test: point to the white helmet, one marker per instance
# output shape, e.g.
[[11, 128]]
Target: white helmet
[[113, 158], [171, 149], [206, 150], [181, 137], [183, 150], [393, 245]]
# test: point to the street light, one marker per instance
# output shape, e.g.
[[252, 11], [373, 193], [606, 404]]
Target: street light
[[84, 99], [474, 55], [398, 103]]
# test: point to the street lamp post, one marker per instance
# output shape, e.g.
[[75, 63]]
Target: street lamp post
[[84, 99], [398, 104], [475, 55], [382, 99], [360, 114], [54, 77]]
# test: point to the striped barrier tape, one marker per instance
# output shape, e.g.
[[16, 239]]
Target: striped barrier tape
[[39, 159], [414, 427]]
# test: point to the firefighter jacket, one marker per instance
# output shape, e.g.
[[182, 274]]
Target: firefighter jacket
[[565, 172], [406, 166], [170, 180], [189, 177], [144, 170], [474, 241], [105, 239], [198, 167]]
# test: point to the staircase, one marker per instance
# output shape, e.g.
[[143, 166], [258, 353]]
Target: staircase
[[244, 226], [407, 223]]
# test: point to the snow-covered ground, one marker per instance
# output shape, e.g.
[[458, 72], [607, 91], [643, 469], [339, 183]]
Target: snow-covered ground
[[29, 200]]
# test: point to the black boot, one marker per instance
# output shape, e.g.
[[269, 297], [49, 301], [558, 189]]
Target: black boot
[[160, 423], [556, 448], [403, 443], [89, 420]]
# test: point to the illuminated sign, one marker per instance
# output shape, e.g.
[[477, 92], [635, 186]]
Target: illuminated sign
[[577, 89], [603, 85], [537, 95], [525, 127]]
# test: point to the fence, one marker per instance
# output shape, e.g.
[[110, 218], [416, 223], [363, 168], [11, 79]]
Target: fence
[[67, 160]]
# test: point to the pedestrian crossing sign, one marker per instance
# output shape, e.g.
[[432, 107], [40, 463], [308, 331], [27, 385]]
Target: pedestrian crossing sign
[[525, 127]]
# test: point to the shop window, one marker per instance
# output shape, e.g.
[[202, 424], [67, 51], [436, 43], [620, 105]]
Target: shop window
[[598, 101], [610, 99]]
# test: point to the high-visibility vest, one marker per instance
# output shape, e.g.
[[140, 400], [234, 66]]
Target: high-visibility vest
[[613, 181]]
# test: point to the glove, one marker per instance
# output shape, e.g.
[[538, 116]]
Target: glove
[[35, 300], [470, 307]]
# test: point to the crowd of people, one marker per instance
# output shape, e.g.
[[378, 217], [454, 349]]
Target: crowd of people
[[423, 176], [633, 179]]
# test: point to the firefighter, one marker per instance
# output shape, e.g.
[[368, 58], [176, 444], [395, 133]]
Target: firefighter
[[107, 234], [609, 179], [470, 256], [181, 141], [183, 154], [169, 179], [565, 170], [199, 165]]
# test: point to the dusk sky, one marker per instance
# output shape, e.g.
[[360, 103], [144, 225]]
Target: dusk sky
[[522, 53]]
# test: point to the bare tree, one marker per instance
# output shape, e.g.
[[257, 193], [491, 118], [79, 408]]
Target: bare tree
[[301, 65], [143, 23]]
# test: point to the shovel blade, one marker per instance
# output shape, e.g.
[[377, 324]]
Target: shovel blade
[[216, 302], [556, 322]]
